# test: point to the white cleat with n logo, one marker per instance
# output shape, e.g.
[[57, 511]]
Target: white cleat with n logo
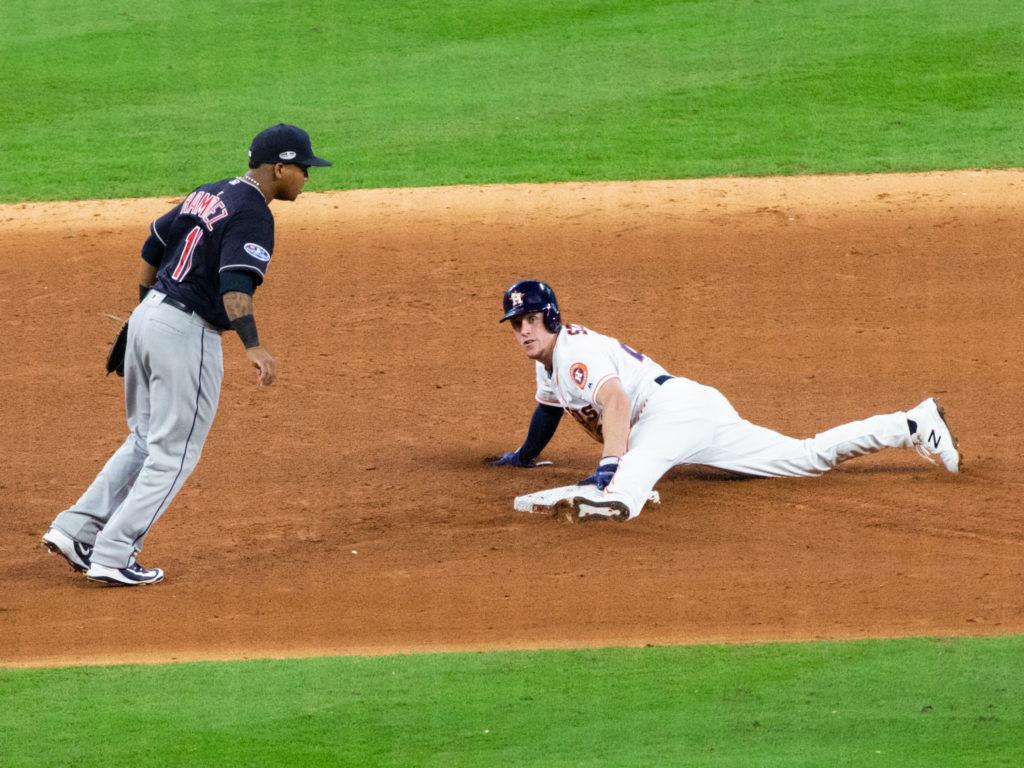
[[933, 437]]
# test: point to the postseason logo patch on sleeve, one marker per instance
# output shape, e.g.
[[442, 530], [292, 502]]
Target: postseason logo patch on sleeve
[[257, 251]]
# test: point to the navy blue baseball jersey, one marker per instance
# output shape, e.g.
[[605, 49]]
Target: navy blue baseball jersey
[[219, 227]]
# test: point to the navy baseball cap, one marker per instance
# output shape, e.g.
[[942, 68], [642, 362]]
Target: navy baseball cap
[[283, 143]]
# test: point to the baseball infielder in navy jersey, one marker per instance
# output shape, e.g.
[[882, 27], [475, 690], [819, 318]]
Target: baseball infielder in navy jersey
[[649, 421], [201, 265]]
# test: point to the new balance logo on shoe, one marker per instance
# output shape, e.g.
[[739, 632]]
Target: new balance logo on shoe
[[931, 434]]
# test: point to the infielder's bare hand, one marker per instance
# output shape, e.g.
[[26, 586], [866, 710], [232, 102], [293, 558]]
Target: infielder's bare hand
[[266, 372]]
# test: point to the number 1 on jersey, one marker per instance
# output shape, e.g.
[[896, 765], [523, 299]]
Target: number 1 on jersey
[[185, 262]]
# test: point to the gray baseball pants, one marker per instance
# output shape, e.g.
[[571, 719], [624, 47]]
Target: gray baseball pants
[[172, 378]]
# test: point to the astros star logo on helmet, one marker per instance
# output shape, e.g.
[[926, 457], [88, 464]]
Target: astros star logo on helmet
[[516, 298]]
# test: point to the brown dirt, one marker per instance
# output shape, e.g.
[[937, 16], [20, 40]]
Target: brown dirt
[[346, 509]]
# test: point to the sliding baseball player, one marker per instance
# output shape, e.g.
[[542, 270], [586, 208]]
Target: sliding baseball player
[[649, 421]]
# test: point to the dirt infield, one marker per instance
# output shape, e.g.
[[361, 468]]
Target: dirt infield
[[346, 509]]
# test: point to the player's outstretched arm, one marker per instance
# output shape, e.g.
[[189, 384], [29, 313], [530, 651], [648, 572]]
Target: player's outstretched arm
[[542, 428], [238, 307]]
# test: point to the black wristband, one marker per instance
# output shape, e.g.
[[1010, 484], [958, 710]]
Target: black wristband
[[245, 327], [143, 290]]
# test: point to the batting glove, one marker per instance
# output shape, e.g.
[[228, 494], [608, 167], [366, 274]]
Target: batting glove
[[606, 469], [512, 459]]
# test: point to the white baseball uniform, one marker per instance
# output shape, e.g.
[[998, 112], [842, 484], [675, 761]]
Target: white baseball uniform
[[679, 421]]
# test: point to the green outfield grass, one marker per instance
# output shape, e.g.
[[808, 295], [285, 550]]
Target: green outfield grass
[[137, 98], [907, 703]]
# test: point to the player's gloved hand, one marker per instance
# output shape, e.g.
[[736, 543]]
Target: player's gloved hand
[[606, 469], [115, 358], [512, 459]]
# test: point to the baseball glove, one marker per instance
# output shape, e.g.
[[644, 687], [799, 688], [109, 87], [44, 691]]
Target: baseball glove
[[115, 358]]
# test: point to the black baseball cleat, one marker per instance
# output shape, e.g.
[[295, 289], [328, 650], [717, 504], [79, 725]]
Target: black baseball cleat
[[75, 552]]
